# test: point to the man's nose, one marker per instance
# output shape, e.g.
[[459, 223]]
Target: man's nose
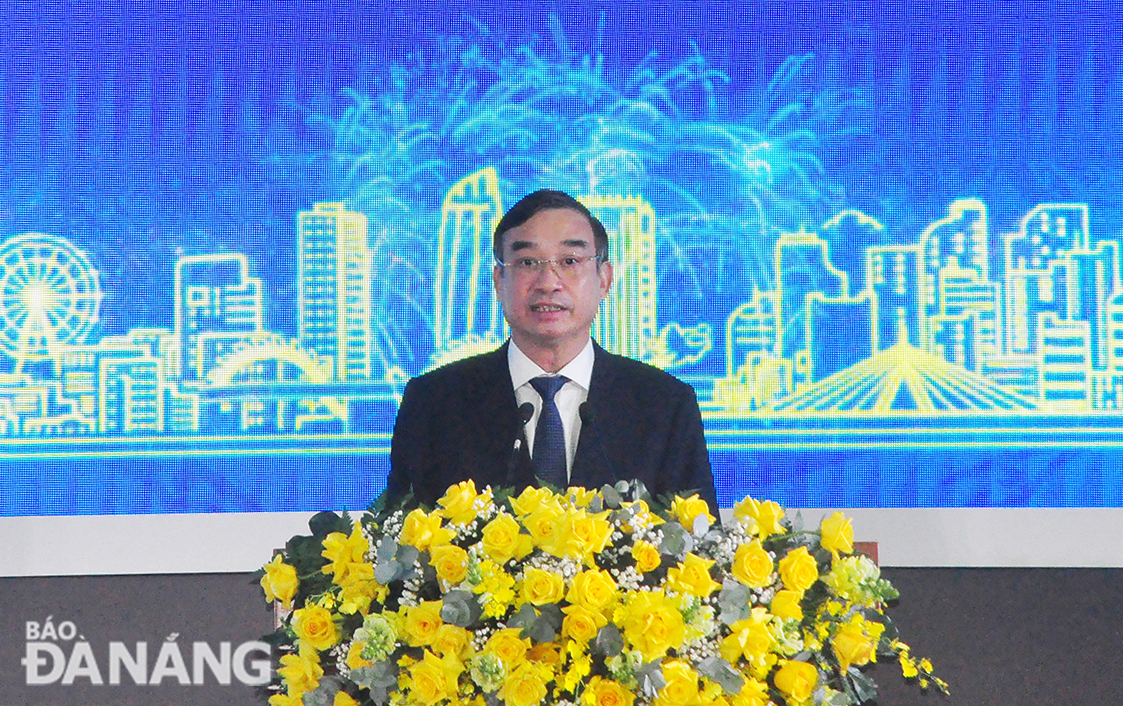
[[547, 277]]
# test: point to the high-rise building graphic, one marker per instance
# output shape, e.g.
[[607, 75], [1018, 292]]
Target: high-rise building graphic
[[335, 269], [1093, 279], [803, 268], [1037, 277], [626, 322], [840, 332], [464, 303], [213, 294], [963, 295], [958, 240], [754, 374], [1066, 364], [896, 285], [750, 331]]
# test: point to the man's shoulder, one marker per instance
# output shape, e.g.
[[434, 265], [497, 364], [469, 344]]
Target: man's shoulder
[[466, 372], [624, 369]]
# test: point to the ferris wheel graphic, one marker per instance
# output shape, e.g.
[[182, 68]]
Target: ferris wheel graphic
[[49, 297]]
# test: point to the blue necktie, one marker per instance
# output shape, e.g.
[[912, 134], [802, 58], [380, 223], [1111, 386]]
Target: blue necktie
[[549, 439]]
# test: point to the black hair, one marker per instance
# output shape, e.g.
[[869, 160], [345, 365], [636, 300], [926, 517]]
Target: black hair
[[546, 200]]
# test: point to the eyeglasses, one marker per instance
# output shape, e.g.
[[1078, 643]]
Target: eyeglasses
[[566, 266]]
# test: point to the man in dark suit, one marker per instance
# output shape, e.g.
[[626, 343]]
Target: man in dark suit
[[550, 403]]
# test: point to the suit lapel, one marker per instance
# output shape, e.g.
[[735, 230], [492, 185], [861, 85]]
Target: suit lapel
[[590, 465], [498, 432]]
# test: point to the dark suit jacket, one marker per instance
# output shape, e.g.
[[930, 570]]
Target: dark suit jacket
[[461, 421]]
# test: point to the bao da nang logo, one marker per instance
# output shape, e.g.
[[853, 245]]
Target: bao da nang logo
[[55, 653]]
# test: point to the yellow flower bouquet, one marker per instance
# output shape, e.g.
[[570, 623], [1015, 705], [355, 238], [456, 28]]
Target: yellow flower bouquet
[[581, 598]]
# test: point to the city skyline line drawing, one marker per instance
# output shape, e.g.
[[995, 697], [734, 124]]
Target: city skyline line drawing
[[926, 326]]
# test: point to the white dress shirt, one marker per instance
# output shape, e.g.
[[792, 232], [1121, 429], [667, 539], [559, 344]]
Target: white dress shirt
[[568, 399]]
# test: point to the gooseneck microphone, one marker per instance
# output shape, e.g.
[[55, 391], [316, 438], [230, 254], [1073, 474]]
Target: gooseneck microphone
[[526, 411], [588, 414]]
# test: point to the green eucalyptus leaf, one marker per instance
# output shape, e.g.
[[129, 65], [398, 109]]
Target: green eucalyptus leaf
[[524, 618], [324, 694], [650, 678], [722, 673], [864, 687], [609, 642], [612, 497], [460, 608]]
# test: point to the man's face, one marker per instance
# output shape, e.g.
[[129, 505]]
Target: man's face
[[551, 307]]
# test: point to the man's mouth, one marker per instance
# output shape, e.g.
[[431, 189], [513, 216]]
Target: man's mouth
[[546, 308]]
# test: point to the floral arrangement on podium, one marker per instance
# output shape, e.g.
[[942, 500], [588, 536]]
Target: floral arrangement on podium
[[591, 598]]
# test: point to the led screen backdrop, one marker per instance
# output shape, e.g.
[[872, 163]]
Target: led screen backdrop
[[882, 243]]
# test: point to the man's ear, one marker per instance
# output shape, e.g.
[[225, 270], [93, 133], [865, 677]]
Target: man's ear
[[605, 274]]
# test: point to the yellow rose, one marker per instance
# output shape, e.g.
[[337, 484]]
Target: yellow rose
[[423, 530], [432, 679], [500, 540], [765, 515], [752, 693], [452, 640], [652, 624], [595, 590], [458, 503], [314, 627], [692, 577], [785, 604], [752, 565], [581, 624], [526, 685], [797, 680], [545, 652], [681, 688], [359, 589], [550, 527], [646, 556], [529, 500], [540, 587], [279, 582], [301, 672], [450, 563], [422, 623], [590, 533], [286, 700], [837, 534], [688, 510], [856, 642], [605, 692], [343, 551], [749, 638], [580, 497], [508, 646], [641, 515], [342, 698], [799, 570]]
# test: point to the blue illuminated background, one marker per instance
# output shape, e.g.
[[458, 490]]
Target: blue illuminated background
[[881, 240]]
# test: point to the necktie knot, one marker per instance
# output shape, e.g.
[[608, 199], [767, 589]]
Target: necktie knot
[[548, 386]]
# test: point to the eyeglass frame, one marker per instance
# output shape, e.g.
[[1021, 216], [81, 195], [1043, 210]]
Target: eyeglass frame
[[555, 264]]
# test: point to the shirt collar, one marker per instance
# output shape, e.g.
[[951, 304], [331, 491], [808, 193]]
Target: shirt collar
[[523, 369]]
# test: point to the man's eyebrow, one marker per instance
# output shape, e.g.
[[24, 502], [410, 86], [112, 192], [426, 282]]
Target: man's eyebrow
[[575, 243]]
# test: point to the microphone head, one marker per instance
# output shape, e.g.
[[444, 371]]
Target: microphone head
[[526, 411], [587, 412]]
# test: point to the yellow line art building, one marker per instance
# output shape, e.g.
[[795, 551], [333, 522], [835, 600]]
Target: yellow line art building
[[213, 293], [464, 304], [335, 269], [626, 321]]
